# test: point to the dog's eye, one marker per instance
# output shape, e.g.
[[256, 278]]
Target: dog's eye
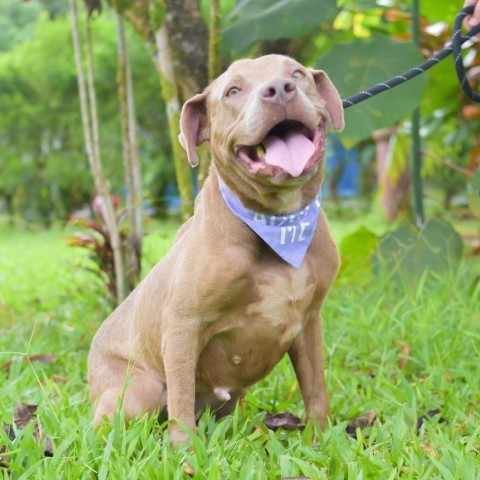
[[298, 75], [232, 91]]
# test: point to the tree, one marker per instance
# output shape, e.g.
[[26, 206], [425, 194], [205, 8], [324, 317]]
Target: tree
[[214, 69], [133, 179], [40, 118], [177, 35], [92, 145]]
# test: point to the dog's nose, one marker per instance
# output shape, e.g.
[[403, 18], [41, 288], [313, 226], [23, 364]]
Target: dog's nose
[[280, 90]]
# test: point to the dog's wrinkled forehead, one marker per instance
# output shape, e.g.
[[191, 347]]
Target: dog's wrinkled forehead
[[254, 72]]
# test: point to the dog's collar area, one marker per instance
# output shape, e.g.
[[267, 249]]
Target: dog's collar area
[[289, 236]]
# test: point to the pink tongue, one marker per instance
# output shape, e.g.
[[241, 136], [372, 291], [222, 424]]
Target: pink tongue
[[290, 153]]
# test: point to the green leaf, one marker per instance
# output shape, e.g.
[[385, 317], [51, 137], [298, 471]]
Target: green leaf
[[254, 20], [437, 11], [361, 64], [443, 89], [358, 5], [355, 251], [406, 254]]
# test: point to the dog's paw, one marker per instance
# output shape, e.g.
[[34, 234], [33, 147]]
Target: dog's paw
[[178, 436]]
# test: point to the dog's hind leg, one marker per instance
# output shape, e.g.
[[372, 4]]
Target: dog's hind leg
[[117, 384]]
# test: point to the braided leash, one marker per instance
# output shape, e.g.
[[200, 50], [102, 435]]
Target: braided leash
[[455, 48]]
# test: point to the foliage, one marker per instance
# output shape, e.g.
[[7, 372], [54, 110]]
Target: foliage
[[354, 64], [358, 65], [41, 138], [272, 20], [93, 235], [16, 22], [48, 304], [356, 250], [440, 11], [359, 43], [450, 120], [407, 255]]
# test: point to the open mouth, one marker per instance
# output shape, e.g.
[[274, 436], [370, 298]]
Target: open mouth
[[289, 147]]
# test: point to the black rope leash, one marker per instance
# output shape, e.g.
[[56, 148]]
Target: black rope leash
[[457, 41]]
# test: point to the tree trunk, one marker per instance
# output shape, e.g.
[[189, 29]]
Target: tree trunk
[[214, 69], [135, 164], [130, 159], [182, 59], [92, 146], [187, 33], [214, 41], [171, 96], [176, 31]]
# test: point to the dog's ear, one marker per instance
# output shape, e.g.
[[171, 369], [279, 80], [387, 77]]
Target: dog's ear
[[331, 97], [194, 128]]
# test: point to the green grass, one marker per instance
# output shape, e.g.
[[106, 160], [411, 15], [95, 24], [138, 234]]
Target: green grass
[[48, 304]]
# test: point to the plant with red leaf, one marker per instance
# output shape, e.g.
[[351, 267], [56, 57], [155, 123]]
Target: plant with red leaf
[[94, 235]]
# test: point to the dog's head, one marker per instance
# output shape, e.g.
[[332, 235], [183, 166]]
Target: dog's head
[[267, 120]]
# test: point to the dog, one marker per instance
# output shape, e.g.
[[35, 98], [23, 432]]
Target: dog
[[247, 275]]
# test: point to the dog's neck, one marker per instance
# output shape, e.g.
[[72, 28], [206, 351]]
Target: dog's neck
[[287, 235], [269, 199]]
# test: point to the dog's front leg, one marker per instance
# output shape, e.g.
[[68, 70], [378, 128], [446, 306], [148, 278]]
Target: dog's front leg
[[306, 355], [180, 354]]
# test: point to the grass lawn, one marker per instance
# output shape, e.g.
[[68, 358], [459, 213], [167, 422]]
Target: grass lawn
[[390, 351]]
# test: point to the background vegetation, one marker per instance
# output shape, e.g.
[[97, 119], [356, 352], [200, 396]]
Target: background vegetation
[[44, 174]]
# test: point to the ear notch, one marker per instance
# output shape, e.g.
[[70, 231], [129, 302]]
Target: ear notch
[[194, 127], [331, 97]]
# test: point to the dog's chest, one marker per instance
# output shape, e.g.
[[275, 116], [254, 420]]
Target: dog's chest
[[246, 342], [281, 301]]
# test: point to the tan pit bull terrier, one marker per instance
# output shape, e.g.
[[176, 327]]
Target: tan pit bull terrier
[[246, 278]]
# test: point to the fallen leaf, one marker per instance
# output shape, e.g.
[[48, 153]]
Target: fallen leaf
[[188, 469], [428, 449], [60, 379], [48, 450], [427, 416], [41, 357], [23, 415], [9, 431], [404, 354], [285, 420], [5, 459], [3, 448], [360, 422]]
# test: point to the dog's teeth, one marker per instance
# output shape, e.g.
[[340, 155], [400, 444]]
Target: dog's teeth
[[260, 151]]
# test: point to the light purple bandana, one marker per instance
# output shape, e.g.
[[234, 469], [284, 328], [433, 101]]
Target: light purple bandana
[[287, 235]]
